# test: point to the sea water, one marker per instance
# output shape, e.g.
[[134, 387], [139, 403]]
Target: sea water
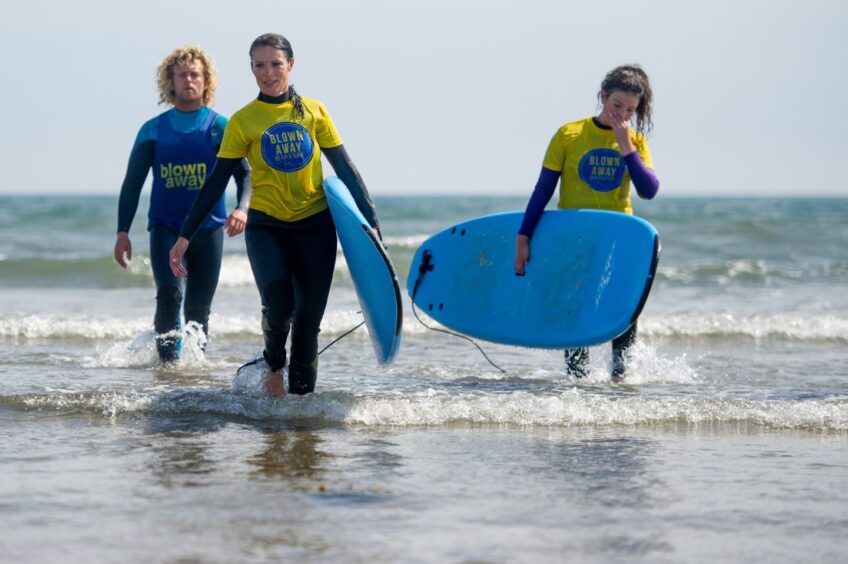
[[727, 441]]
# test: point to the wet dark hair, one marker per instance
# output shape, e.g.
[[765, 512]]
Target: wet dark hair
[[277, 41], [632, 79]]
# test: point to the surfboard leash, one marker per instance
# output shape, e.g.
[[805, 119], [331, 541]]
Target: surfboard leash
[[425, 267], [337, 339]]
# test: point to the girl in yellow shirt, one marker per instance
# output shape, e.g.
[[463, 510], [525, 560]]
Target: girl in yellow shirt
[[595, 159]]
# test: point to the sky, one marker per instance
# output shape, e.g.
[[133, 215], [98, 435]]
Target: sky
[[446, 96]]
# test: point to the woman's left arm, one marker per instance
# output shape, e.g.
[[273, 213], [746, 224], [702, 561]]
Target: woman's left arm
[[644, 179], [347, 173]]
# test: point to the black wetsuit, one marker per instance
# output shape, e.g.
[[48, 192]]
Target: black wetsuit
[[292, 264]]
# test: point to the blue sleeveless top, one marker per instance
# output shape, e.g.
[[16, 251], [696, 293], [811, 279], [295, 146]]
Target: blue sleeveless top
[[182, 161]]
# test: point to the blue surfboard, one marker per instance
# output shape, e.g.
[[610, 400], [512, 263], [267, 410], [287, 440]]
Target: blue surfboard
[[371, 269], [589, 275]]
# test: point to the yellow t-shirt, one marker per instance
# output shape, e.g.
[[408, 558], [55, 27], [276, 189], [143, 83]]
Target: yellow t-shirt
[[284, 154], [593, 173]]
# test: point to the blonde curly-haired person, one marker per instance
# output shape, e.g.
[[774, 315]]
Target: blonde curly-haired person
[[180, 146]]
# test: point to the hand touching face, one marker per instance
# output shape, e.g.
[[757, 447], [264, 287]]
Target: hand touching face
[[618, 108]]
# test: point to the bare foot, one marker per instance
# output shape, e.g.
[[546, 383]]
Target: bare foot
[[274, 384]]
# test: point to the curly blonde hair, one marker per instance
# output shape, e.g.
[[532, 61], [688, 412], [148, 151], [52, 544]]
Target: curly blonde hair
[[187, 54]]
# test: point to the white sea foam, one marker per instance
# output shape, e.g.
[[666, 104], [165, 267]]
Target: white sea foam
[[35, 327], [58, 327], [409, 242], [645, 365], [814, 328], [758, 327], [571, 407], [236, 272], [250, 380], [141, 352]]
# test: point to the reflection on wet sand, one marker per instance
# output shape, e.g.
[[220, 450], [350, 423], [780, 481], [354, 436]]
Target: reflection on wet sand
[[293, 455]]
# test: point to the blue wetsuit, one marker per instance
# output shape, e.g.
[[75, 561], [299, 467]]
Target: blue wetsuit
[[180, 147]]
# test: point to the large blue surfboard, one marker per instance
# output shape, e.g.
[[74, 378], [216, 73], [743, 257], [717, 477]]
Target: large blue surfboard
[[589, 275], [371, 269]]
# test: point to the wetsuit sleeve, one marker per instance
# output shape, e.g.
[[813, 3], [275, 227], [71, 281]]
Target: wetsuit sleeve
[[644, 179], [241, 175], [209, 195], [542, 193], [141, 159], [345, 169], [243, 187]]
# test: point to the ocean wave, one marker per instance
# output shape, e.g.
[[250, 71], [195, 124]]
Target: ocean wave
[[104, 273], [748, 271], [236, 272], [570, 408], [84, 328], [824, 328], [74, 273], [39, 327]]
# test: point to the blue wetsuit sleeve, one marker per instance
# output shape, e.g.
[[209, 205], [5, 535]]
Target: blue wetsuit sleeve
[[141, 159], [542, 193], [345, 169], [243, 187], [643, 178], [210, 193]]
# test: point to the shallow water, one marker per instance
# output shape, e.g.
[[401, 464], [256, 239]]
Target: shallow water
[[209, 488], [726, 441]]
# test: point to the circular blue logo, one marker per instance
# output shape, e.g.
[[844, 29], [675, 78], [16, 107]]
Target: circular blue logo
[[602, 169], [287, 146]]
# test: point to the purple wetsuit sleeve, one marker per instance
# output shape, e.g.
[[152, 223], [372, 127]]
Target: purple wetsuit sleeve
[[643, 178], [542, 193]]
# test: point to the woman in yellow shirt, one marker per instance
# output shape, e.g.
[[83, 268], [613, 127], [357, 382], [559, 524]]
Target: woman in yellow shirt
[[290, 236]]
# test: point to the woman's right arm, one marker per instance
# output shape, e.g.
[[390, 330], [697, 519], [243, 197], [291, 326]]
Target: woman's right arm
[[545, 186], [210, 193], [544, 189]]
